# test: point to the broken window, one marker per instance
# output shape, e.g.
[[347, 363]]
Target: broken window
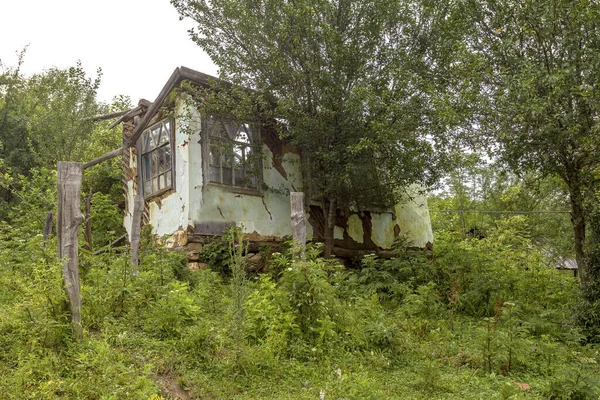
[[156, 158], [233, 159]]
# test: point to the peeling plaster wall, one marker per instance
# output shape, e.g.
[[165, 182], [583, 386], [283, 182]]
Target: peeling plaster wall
[[267, 215], [198, 207], [414, 219]]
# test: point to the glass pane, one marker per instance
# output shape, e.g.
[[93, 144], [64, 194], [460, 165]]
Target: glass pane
[[151, 141], [215, 174], [168, 179], [243, 133], [146, 166], [164, 135], [155, 185], [251, 181], [237, 159], [154, 155], [239, 177], [214, 154], [147, 187], [226, 176], [168, 161], [161, 160], [144, 142]]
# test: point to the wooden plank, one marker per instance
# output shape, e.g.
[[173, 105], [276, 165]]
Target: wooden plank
[[68, 220], [136, 229], [107, 156], [126, 117], [298, 221]]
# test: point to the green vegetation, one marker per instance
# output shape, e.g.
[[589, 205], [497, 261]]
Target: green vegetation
[[386, 85], [476, 318]]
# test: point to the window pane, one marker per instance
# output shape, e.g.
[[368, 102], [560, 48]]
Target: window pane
[[164, 136], [168, 179], [146, 166], [215, 174], [227, 176], [214, 154], [167, 154], [251, 181], [243, 133], [155, 186], [147, 187], [230, 154], [239, 177], [145, 142], [154, 155], [237, 159], [161, 160]]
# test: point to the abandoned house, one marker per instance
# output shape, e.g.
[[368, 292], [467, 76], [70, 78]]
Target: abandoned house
[[196, 178]]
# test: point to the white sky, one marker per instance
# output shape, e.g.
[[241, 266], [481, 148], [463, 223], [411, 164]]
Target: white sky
[[137, 43]]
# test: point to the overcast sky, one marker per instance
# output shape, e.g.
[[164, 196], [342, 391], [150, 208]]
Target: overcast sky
[[137, 43]]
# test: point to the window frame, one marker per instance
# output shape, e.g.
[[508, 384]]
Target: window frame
[[255, 142], [140, 155]]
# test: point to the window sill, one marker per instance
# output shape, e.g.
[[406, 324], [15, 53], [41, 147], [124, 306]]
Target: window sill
[[236, 189], [160, 193]]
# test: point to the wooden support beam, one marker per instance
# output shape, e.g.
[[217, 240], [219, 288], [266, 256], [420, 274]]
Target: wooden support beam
[[136, 229], [68, 220], [298, 221], [109, 116], [107, 156]]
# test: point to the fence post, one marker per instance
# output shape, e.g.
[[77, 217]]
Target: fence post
[[68, 220]]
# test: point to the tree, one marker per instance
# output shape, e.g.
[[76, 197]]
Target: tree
[[14, 144], [539, 70], [356, 85], [62, 106], [50, 116]]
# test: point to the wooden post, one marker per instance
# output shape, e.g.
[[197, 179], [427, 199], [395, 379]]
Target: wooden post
[[136, 228], [68, 220], [298, 221]]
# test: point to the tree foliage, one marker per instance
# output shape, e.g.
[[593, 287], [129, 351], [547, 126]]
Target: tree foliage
[[539, 75], [360, 87], [48, 117]]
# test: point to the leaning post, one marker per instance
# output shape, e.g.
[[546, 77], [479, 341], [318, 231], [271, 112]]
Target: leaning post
[[68, 220], [298, 221], [136, 227]]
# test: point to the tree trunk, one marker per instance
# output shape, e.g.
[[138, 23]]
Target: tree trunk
[[578, 220], [329, 207]]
